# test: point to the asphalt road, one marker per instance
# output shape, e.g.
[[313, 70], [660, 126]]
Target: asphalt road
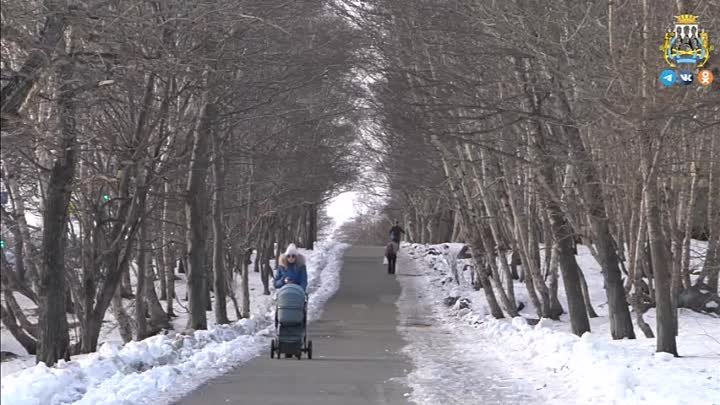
[[356, 359]]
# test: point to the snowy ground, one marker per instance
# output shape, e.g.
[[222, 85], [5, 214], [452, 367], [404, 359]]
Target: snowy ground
[[451, 364], [474, 359], [162, 368], [110, 333]]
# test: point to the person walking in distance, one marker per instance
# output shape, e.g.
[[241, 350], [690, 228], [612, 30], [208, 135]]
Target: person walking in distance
[[395, 232]]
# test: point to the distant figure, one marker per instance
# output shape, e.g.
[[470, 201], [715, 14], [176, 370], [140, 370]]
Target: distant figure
[[291, 269], [395, 232], [391, 255]]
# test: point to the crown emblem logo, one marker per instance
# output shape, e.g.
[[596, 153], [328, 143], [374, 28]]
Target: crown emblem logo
[[687, 44], [686, 19]]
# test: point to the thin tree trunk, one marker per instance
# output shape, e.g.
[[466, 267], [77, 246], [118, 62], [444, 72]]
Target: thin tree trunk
[[245, 282], [711, 267], [620, 321], [563, 235], [266, 269], [161, 267], [26, 340], [555, 305], [488, 248], [141, 331], [122, 318], [688, 222], [25, 250], [495, 309], [494, 226], [527, 274], [19, 315], [126, 285], [537, 287], [456, 227], [168, 258], [586, 296], [158, 318]]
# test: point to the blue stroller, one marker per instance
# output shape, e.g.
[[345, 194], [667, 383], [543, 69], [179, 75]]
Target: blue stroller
[[291, 324]]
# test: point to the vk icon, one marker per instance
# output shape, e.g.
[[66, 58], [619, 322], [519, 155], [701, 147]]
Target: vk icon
[[686, 77], [668, 77]]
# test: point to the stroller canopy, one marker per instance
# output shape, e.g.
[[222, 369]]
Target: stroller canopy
[[290, 304]]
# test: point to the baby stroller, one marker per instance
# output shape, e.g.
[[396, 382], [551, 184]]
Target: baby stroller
[[291, 324]]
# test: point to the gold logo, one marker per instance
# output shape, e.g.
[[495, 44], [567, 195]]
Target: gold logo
[[687, 44]]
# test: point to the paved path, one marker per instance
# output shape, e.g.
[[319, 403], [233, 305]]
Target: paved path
[[355, 359]]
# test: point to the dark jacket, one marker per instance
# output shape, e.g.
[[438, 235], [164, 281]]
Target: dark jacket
[[395, 232]]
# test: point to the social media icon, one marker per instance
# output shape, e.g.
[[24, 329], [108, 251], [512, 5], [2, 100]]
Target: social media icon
[[705, 77], [668, 77], [687, 77]]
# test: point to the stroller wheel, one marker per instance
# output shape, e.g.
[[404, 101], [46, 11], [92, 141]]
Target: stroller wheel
[[309, 350], [272, 349]]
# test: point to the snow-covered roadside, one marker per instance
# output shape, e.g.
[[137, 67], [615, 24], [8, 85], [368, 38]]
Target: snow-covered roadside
[[450, 365], [162, 368], [588, 370]]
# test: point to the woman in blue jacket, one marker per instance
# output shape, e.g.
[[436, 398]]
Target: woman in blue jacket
[[291, 269]]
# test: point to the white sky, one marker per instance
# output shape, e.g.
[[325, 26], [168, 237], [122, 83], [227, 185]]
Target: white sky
[[342, 207]]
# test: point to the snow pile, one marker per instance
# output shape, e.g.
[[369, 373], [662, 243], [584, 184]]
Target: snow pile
[[450, 366], [137, 371], [161, 368], [329, 257], [594, 368]]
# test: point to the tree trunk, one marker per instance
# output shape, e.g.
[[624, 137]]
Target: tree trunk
[[660, 261], [26, 341], [140, 304], [537, 289], [711, 268], [481, 272], [161, 266], [195, 213], [218, 225], [555, 305], [54, 338], [661, 265], [158, 318], [122, 318], [265, 269], [485, 244], [245, 282], [169, 259], [494, 226], [126, 285], [621, 325], [569, 269], [495, 309], [586, 296], [688, 222], [13, 306]]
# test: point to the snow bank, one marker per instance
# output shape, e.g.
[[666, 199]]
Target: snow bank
[[329, 257], [162, 368], [594, 368]]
